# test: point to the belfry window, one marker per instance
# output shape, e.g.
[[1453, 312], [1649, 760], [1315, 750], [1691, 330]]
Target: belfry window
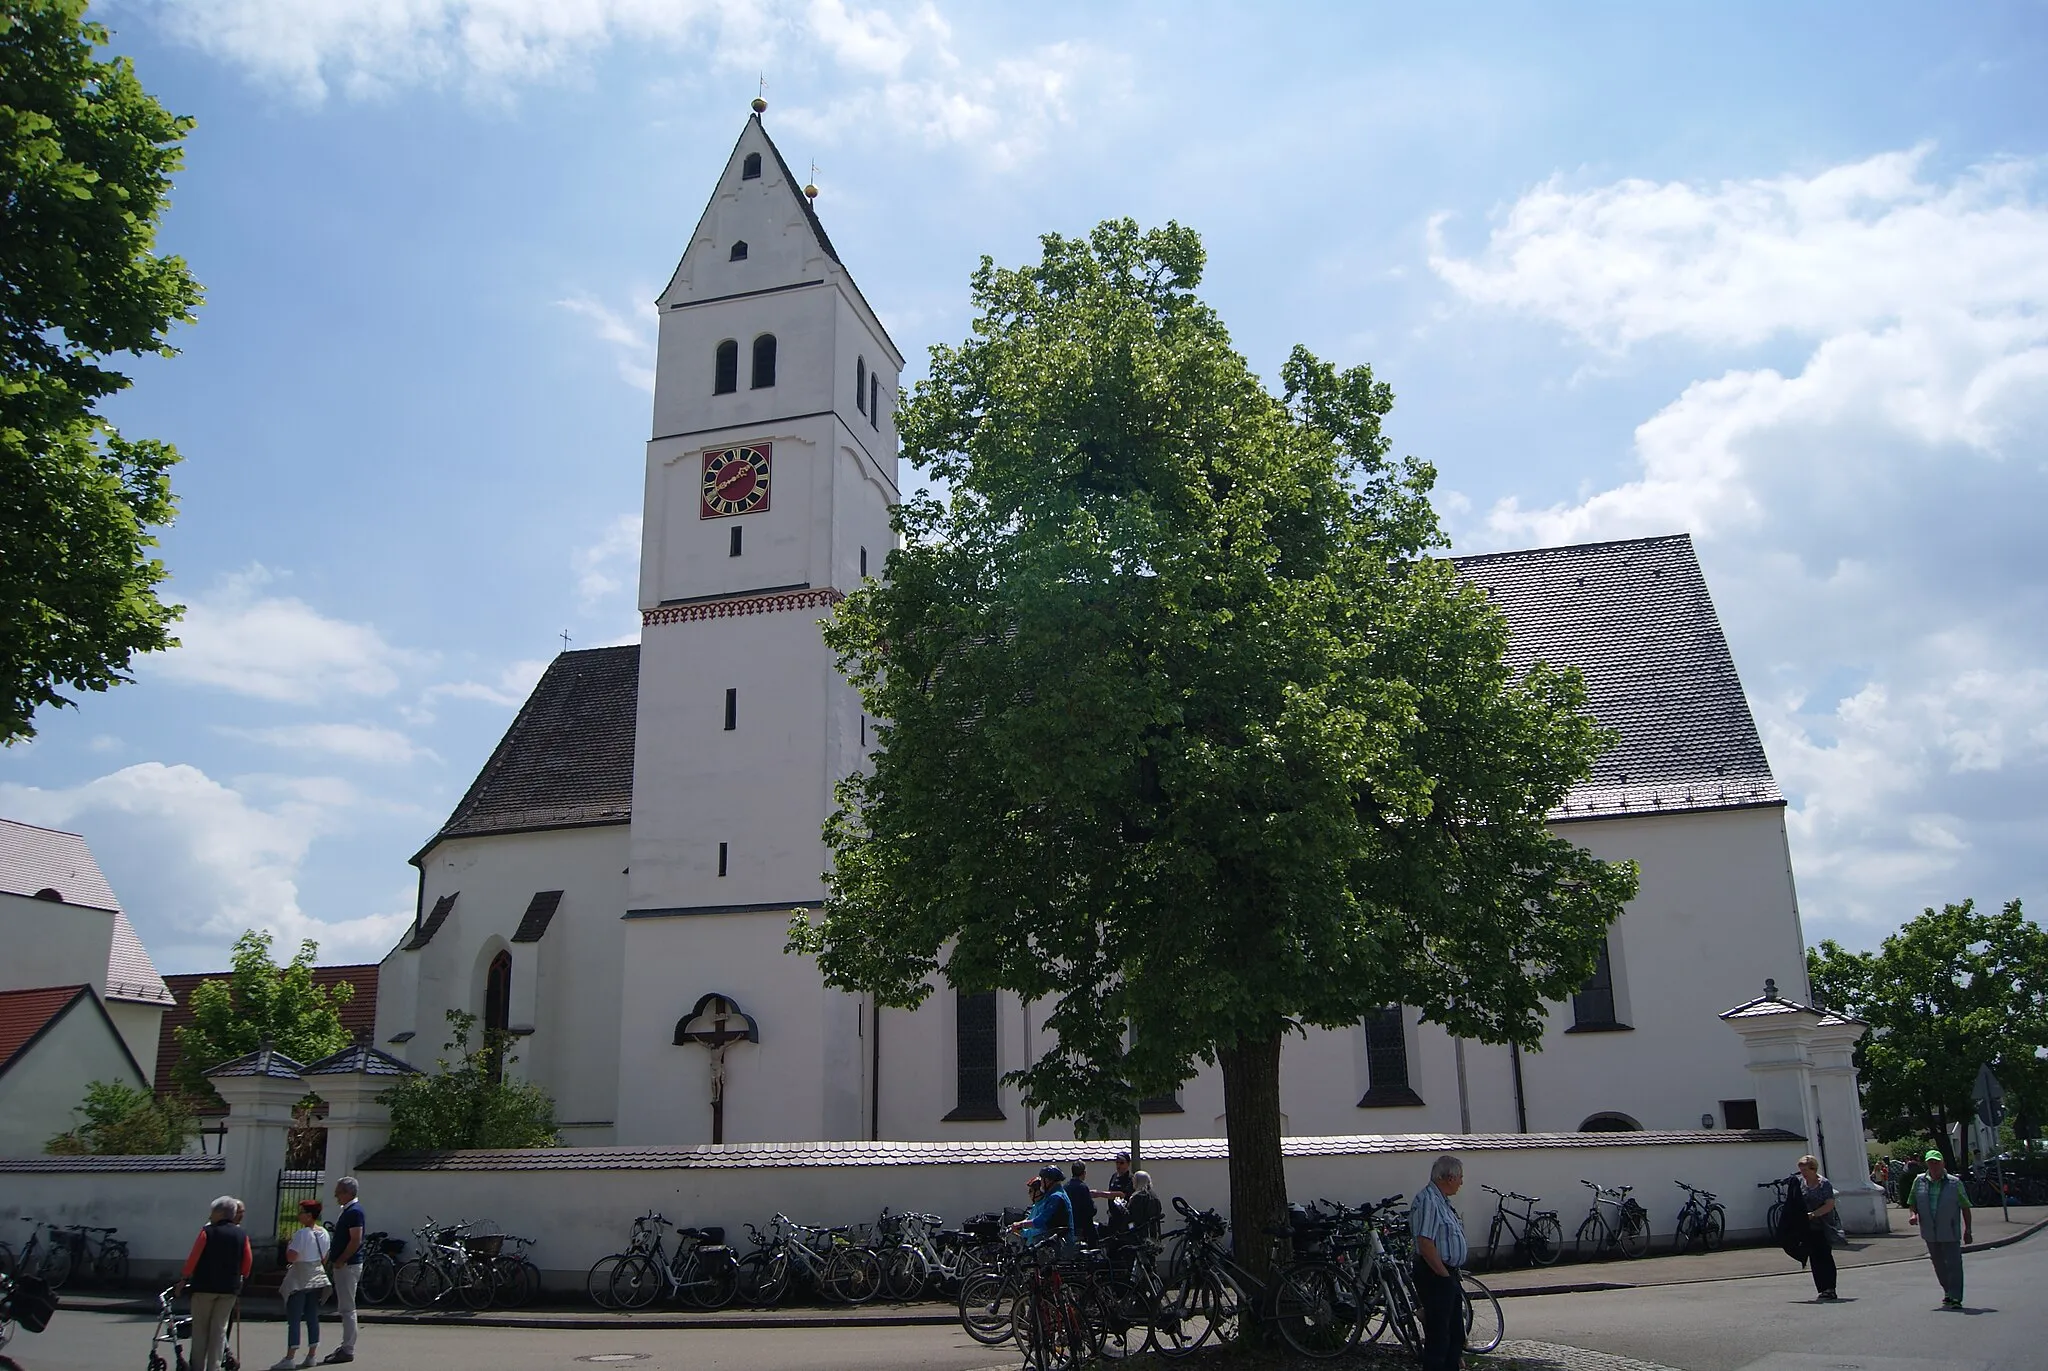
[[750, 167], [875, 403], [734, 551], [974, 1041], [725, 371], [764, 361], [732, 709], [739, 252], [860, 384]]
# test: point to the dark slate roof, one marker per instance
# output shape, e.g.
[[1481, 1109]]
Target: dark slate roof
[[359, 1057], [1635, 618], [567, 760], [727, 1156], [431, 925], [186, 1162], [533, 925], [264, 1061]]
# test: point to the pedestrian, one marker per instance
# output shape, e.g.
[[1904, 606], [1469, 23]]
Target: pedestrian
[[1819, 1194], [214, 1269], [305, 1285], [1082, 1201], [1439, 1251], [351, 1226], [1941, 1211], [1121, 1183], [1051, 1215], [1146, 1211]]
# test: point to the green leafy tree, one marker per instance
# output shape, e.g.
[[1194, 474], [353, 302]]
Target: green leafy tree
[[1949, 992], [86, 157], [467, 1102], [260, 1002], [117, 1119], [1187, 732]]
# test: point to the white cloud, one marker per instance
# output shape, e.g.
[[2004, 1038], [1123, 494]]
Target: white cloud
[[355, 742], [510, 689], [196, 862], [1868, 517], [630, 332], [604, 567], [277, 647]]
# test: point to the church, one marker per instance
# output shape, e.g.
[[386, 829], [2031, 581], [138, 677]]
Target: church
[[615, 887]]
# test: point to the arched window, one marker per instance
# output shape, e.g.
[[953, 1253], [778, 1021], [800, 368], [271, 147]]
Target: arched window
[[498, 1009], [739, 252], [1609, 1121], [860, 384], [726, 372], [750, 169], [764, 361]]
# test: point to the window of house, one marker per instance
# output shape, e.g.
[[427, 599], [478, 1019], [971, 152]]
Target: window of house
[[1610, 1121], [725, 373], [875, 402], [1739, 1114], [974, 1041], [1593, 1005], [1386, 1061], [739, 252], [863, 561], [1169, 1103], [750, 167], [860, 384], [734, 549], [764, 361], [732, 710], [721, 858], [498, 1009]]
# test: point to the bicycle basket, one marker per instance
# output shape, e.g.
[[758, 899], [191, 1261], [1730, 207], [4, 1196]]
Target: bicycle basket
[[1631, 1208], [445, 1237], [391, 1247], [31, 1303], [485, 1245]]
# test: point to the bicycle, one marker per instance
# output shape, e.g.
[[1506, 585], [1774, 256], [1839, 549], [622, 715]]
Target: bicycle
[[1777, 1209], [1703, 1220], [702, 1273], [835, 1267], [1319, 1301], [515, 1280], [443, 1268], [380, 1268], [1629, 1232], [644, 1237], [1539, 1239], [48, 1262]]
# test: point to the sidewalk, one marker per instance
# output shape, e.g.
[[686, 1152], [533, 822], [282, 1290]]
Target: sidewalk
[[1902, 1244]]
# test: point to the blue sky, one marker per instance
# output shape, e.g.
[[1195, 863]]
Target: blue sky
[[1773, 275]]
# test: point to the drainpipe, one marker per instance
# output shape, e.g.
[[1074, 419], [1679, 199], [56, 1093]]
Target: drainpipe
[[875, 1071], [1030, 1115], [1464, 1096], [1521, 1101]]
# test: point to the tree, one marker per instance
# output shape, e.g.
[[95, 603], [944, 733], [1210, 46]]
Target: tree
[[260, 1002], [1186, 732], [467, 1102], [116, 1119], [86, 157], [1949, 992]]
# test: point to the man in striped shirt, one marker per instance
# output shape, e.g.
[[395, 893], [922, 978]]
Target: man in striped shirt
[[1439, 1252]]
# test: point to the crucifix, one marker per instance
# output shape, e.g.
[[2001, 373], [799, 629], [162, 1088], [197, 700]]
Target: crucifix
[[564, 635], [727, 1024]]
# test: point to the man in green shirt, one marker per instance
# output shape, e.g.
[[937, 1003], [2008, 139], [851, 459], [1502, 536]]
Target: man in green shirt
[[1941, 1211]]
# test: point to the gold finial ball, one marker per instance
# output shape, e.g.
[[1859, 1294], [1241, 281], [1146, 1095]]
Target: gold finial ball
[[811, 191], [760, 105]]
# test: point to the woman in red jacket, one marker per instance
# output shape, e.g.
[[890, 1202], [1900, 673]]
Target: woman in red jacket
[[215, 1269]]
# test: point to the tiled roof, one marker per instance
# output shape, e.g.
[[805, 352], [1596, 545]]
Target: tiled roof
[[360, 1057], [264, 1061], [567, 759], [431, 925], [131, 975], [533, 925], [1777, 1007], [187, 1162], [731, 1155], [358, 1016], [34, 859], [26, 1013], [1635, 618]]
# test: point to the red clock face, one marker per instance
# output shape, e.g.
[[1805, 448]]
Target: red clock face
[[735, 481]]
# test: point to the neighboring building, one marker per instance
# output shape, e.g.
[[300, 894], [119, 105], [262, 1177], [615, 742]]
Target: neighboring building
[[60, 925], [616, 885], [358, 1016], [54, 1040]]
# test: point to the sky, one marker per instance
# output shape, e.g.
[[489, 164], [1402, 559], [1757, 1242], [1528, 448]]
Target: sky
[[1776, 276]]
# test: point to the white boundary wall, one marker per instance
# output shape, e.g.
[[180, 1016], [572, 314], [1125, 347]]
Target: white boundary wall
[[579, 1203]]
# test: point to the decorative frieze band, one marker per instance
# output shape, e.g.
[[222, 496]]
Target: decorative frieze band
[[741, 604]]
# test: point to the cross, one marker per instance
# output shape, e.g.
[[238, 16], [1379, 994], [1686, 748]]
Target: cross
[[763, 92], [718, 1037], [565, 640]]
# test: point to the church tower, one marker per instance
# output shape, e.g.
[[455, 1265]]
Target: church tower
[[771, 473]]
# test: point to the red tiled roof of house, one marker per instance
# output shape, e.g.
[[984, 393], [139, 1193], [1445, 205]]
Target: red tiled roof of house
[[25, 1013], [358, 1016]]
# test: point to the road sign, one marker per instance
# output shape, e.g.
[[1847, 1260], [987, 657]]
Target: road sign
[[1989, 1097]]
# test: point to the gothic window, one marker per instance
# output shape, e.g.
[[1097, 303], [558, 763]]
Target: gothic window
[[974, 1037], [750, 168], [1593, 1005], [739, 252], [734, 550], [764, 361], [726, 372], [860, 384], [498, 1008], [875, 402], [1386, 1061]]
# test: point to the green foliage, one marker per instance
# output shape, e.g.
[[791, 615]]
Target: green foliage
[[86, 157], [467, 1102], [120, 1120], [1185, 729], [1950, 991], [260, 1002]]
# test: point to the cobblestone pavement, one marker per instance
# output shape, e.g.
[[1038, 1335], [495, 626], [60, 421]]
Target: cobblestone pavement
[[1550, 1356]]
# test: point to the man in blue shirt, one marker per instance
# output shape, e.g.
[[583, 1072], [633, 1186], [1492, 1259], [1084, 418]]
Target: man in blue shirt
[[349, 1232], [1439, 1252], [1081, 1200]]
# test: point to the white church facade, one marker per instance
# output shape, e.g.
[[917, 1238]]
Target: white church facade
[[616, 886]]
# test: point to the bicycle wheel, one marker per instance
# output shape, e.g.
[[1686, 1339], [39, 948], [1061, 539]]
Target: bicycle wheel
[[904, 1274], [1053, 1329], [1402, 1315], [6, 1259], [57, 1266], [1546, 1240], [1590, 1237], [418, 1284], [1715, 1230], [374, 1285], [111, 1266], [1484, 1325], [1119, 1319], [1635, 1233], [1777, 1212], [598, 1284], [854, 1275], [472, 1281], [764, 1278], [1311, 1316], [636, 1283], [1184, 1319]]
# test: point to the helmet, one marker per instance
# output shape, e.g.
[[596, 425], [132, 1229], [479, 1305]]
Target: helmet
[[1051, 1175]]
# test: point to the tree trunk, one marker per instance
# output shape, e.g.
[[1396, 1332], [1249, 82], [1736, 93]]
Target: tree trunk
[[1258, 1177]]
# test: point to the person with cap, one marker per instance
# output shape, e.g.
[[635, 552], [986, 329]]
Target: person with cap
[[1051, 1215], [1121, 1183], [1941, 1211]]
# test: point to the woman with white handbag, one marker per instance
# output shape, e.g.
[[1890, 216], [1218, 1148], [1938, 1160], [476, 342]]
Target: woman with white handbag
[[305, 1286]]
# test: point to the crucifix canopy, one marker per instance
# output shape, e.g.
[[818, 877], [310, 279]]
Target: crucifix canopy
[[711, 1023]]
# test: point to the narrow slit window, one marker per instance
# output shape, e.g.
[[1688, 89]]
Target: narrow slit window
[[732, 709], [739, 252], [875, 402], [1593, 1005], [860, 384], [750, 167], [734, 549], [863, 730], [764, 361], [725, 378], [721, 858], [863, 561]]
